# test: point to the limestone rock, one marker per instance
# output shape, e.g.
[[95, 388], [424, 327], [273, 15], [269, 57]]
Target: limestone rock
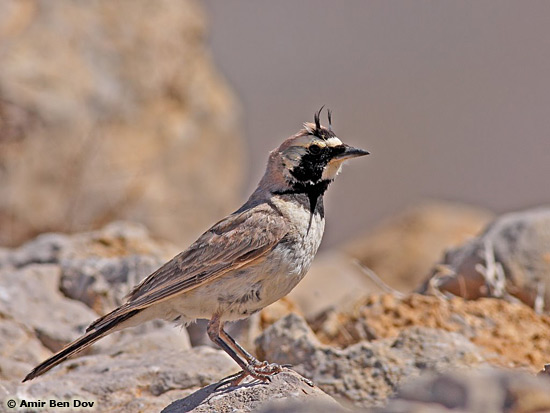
[[44, 249], [113, 111], [284, 387], [476, 391], [36, 316], [99, 267], [20, 350], [30, 296], [297, 406], [365, 374], [154, 335], [142, 382], [511, 258], [157, 379], [402, 250]]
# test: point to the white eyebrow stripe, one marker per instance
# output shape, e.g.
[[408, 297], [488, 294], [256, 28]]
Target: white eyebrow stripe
[[334, 141]]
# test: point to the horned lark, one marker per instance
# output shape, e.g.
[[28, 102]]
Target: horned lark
[[246, 261]]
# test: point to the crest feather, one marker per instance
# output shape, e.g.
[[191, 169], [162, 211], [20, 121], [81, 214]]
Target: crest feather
[[317, 129]]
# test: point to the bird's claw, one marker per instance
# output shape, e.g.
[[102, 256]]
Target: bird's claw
[[262, 371]]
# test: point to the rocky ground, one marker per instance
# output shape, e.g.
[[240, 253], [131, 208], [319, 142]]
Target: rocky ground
[[380, 351], [142, 130], [113, 111]]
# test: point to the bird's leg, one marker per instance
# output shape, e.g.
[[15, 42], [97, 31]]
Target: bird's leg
[[250, 365], [238, 348], [264, 365]]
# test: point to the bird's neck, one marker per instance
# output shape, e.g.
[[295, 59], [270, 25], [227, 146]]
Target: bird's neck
[[313, 190]]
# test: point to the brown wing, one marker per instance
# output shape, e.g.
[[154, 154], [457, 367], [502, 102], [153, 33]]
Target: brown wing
[[235, 242]]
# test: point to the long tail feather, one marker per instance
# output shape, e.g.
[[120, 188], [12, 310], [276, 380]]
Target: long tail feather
[[78, 345]]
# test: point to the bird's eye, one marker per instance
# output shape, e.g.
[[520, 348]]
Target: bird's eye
[[315, 149]]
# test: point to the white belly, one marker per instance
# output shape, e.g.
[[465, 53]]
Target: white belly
[[238, 294]]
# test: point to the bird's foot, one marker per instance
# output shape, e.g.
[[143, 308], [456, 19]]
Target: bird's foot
[[262, 371]]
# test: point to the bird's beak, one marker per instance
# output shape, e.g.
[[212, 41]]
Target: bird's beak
[[350, 152]]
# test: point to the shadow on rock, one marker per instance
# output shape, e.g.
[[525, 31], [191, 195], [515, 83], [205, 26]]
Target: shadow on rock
[[250, 396]]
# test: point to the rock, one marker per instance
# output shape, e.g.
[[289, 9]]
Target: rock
[[363, 351], [284, 386], [477, 391], [44, 249], [144, 382], [154, 335], [274, 312], [20, 350], [113, 112], [31, 297], [99, 267], [102, 283], [157, 379], [35, 313], [301, 406], [402, 250], [332, 281], [545, 370], [511, 258], [513, 332], [365, 374]]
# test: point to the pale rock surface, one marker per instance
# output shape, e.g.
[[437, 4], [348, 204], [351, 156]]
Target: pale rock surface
[[30, 295], [475, 391], [367, 373], [519, 243], [285, 387], [99, 267], [113, 111], [20, 350], [124, 382], [40, 312]]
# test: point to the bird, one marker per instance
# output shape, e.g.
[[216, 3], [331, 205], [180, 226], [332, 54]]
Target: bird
[[243, 263]]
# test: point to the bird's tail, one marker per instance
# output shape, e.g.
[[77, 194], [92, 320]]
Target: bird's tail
[[91, 336]]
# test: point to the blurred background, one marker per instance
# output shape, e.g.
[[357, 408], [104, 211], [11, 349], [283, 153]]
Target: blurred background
[[451, 98], [164, 112]]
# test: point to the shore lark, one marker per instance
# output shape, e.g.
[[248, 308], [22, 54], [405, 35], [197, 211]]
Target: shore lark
[[247, 260]]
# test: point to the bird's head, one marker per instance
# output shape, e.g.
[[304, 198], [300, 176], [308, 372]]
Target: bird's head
[[313, 156]]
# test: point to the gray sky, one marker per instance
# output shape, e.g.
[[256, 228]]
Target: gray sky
[[451, 98]]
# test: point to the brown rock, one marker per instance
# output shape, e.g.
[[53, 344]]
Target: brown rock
[[513, 331], [403, 250], [511, 258], [112, 111], [365, 374], [545, 370]]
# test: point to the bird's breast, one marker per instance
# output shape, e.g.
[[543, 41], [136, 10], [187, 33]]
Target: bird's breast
[[305, 232]]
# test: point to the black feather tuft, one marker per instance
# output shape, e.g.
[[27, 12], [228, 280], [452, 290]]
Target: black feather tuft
[[320, 131], [317, 118]]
